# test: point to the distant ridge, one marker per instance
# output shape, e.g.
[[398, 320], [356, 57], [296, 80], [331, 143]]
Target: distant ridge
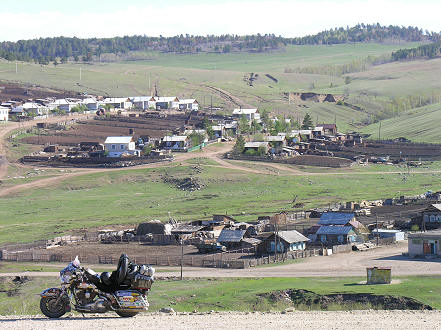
[[45, 50]]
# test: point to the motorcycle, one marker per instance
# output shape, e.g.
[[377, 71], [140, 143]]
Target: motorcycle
[[124, 291]]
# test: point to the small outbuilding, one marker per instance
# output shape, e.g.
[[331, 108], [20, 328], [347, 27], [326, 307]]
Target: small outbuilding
[[231, 238], [425, 244], [388, 233]]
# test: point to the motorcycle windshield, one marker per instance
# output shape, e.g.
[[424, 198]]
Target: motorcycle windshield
[[66, 273]]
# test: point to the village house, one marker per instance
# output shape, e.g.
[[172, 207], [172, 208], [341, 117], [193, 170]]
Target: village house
[[118, 102], [250, 114], [425, 244], [432, 216], [119, 146], [65, 105], [143, 102], [231, 239], [290, 240], [276, 143], [35, 109], [255, 146], [91, 104], [342, 219], [332, 235], [4, 113], [166, 102], [188, 104], [175, 142], [328, 129], [219, 131]]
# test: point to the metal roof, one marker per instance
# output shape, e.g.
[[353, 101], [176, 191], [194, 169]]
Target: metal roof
[[292, 236], [252, 241], [186, 229], [436, 234], [255, 144], [437, 206], [334, 230], [234, 236], [175, 138], [392, 231], [335, 218], [244, 111], [277, 138], [118, 139]]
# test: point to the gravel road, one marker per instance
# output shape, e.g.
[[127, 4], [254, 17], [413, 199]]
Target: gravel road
[[302, 320]]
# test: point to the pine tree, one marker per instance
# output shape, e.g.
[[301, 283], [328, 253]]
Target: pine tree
[[307, 122]]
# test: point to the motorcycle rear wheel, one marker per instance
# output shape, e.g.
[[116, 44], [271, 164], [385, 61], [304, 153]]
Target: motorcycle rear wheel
[[50, 309], [126, 313]]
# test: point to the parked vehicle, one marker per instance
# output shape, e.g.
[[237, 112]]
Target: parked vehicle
[[123, 291], [205, 247]]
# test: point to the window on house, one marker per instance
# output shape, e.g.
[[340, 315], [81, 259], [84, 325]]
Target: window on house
[[113, 146], [122, 146]]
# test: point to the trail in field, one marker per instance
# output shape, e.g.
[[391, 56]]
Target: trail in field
[[227, 96]]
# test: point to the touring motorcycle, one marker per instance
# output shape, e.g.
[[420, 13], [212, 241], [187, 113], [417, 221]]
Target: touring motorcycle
[[123, 291]]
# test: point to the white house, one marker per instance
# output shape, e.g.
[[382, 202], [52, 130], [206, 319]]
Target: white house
[[175, 142], [250, 114], [120, 145], [118, 102], [4, 113], [64, 104], [188, 104], [166, 102], [91, 104], [35, 108], [143, 102]]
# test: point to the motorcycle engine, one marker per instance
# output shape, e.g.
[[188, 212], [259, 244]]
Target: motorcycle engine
[[86, 296]]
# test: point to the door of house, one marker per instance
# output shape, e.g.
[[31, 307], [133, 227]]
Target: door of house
[[426, 248]]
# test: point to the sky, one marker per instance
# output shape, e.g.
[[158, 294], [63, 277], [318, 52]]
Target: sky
[[28, 19]]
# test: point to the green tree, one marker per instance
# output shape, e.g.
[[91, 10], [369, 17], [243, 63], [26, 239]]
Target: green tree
[[239, 146], [244, 125], [210, 132], [307, 122], [347, 80]]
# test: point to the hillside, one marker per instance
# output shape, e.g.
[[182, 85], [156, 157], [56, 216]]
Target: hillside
[[45, 50], [419, 125]]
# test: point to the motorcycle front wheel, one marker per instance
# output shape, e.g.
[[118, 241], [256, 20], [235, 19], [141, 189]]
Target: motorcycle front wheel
[[51, 309], [126, 313]]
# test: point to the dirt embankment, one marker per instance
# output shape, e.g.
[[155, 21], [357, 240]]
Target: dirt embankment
[[23, 92], [348, 300]]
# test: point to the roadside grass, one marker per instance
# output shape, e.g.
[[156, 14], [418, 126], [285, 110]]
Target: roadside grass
[[236, 294], [202, 161], [134, 196]]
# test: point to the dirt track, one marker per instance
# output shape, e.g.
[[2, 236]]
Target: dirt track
[[338, 265], [402, 320]]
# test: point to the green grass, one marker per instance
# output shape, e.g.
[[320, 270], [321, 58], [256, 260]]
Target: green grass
[[230, 294], [137, 195], [419, 125], [188, 75]]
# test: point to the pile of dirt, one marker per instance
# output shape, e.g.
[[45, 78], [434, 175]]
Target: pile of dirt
[[11, 286], [185, 184], [349, 300]]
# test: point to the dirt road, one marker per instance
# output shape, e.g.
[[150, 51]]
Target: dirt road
[[352, 320], [338, 265]]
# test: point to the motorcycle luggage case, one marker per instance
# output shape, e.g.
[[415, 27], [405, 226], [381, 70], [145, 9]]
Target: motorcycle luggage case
[[128, 299], [142, 282]]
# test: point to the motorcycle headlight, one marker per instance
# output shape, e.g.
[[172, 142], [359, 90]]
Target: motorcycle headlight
[[65, 279]]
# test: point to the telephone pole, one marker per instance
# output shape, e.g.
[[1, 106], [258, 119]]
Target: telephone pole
[[80, 74]]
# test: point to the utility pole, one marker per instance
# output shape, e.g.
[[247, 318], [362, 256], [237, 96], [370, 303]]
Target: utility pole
[[182, 256], [16, 67], [80, 74], [379, 131], [376, 225]]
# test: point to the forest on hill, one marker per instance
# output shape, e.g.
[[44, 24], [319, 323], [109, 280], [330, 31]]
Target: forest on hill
[[432, 50], [45, 50]]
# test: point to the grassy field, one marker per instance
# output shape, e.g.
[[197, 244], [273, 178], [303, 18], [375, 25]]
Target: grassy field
[[139, 195], [235, 294], [191, 75], [419, 125]]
